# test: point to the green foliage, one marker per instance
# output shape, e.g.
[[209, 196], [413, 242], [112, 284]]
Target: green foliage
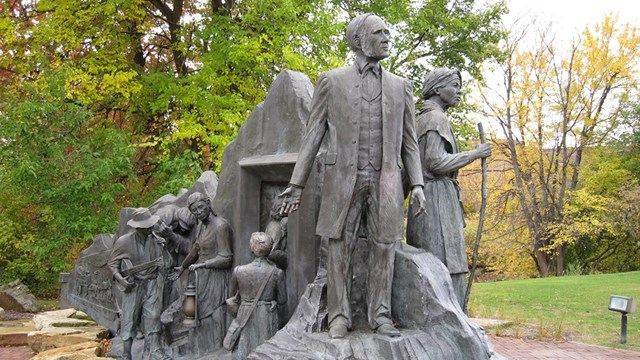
[[604, 234], [456, 34], [62, 172]]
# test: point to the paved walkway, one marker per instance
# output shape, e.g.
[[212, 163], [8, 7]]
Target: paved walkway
[[15, 353], [518, 349], [514, 349]]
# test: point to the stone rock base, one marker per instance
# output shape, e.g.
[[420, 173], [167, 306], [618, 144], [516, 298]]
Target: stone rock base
[[431, 323], [67, 318], [16, 296], [83, 351], [357, 345], [53, 338], [15, 333], [62, 329]]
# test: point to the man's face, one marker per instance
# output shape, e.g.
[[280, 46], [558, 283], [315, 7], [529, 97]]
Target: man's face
[[450, 93], [375, 38], [145, 231], [200, 209]]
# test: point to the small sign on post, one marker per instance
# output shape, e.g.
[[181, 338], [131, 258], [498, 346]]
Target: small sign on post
[[624, 305]]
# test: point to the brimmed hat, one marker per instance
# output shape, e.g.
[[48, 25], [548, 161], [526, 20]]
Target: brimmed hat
[[142, 219]]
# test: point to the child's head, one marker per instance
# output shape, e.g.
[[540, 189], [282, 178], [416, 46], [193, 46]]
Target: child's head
[[260, 244]]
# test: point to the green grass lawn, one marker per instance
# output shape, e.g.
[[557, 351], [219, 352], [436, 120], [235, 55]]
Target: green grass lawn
[[557, 308]]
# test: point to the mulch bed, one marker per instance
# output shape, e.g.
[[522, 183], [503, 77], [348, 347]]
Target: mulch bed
[[14, 315]]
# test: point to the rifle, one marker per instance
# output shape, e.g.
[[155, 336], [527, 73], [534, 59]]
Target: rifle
[[128, 270]]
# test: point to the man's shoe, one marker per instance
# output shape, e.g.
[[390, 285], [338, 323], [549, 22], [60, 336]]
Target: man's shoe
[[388, 330], [159, 355], [337, 331]]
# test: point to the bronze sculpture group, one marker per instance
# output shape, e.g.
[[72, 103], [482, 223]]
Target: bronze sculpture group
[[367, 116]]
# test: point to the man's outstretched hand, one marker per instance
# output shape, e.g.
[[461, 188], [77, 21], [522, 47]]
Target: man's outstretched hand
[[291, 202]]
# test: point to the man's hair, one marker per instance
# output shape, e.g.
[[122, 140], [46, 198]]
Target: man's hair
[[260, 243], [354, 30], [198, 196]]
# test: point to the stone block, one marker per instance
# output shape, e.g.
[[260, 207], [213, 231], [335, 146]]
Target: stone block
[[60, 319], [88, 350], [16, 296], [1, 313], [423, 299], [14, 333], [53, 338]]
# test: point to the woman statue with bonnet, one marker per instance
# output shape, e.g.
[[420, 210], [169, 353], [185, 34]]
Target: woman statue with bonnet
[[211, 258], [440, 229]]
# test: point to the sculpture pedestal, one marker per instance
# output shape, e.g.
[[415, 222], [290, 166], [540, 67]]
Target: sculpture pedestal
[[431, 323], [360, 344]]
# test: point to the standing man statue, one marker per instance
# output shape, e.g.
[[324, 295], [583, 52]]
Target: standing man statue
[[440, 229], [135, 262], [368, 115]]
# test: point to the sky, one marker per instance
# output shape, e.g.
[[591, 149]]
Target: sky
[[570, 17]]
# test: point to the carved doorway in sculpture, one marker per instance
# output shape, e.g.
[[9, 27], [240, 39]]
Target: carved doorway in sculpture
[[262, 178]]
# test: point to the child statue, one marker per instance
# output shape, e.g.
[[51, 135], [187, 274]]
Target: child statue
[[257, 289]]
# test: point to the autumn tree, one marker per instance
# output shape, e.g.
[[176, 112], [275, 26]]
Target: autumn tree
[[554, 107], [112, 103], [601, 216]]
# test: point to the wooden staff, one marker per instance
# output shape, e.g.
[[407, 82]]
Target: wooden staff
[[483, 208]]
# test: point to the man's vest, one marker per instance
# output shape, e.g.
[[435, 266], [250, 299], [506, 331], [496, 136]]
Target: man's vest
[[370, 137]]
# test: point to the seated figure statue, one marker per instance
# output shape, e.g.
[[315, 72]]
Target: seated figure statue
[[257, 289]]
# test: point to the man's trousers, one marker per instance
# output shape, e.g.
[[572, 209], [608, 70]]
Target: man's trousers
[[363, 208]]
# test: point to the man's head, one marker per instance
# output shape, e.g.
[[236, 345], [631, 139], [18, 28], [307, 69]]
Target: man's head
[[186, 220], [199, 205], [368, 35], [142, 220], [261, 244]]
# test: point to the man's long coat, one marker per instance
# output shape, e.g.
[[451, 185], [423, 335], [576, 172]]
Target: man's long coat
[[336, 110]]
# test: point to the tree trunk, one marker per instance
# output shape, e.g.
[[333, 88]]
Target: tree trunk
[[560, 250]]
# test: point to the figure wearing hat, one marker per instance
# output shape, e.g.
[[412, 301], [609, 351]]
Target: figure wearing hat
[[135, 262]]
